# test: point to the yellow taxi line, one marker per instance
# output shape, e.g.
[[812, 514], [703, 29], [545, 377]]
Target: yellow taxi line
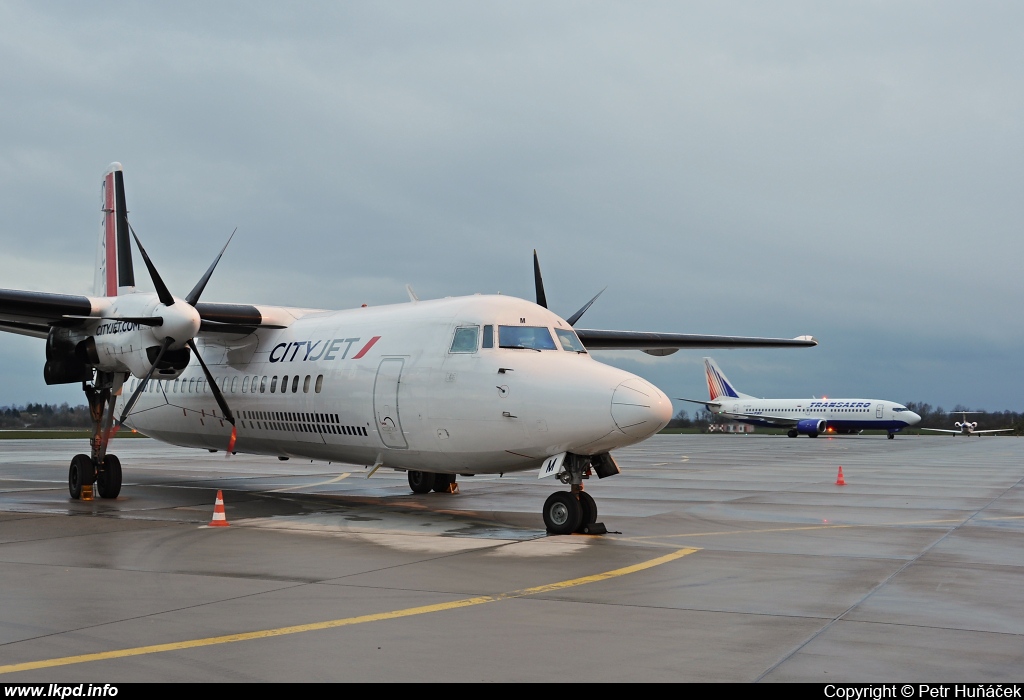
[[343, 622]]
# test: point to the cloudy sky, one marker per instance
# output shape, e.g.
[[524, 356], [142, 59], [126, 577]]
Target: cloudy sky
[[847, 170]]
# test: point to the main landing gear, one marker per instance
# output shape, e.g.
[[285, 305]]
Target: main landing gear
[[425, 482], [97, 467]]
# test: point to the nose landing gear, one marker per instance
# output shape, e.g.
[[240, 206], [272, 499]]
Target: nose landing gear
[[566, 512]]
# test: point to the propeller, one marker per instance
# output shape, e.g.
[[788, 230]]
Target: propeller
[[542, 299], [182, 322]]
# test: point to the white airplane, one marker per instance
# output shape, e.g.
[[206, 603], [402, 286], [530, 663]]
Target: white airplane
[[479, 384], [810, 417], [968, 428]]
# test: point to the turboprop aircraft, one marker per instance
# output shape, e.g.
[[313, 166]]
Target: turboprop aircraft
[[967, 427], [810, 417], [436, 388]]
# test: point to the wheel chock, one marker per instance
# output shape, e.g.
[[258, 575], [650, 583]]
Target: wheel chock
[[452, 488], [593, 529], [86, 492]]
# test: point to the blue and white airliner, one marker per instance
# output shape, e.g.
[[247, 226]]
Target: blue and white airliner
[[810, 417]]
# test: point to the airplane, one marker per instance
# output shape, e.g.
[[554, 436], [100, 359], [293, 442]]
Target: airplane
[[810, 417], [968, 428], [481, 384]]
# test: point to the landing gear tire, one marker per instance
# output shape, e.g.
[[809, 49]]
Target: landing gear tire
[[892, 436], [562, 513], [812, 435], [80, 473], [421, 482], [442, 482], [108, 480], [588, 506], [792, 433]]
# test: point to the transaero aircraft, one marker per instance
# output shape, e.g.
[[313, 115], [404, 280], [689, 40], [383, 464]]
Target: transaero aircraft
[[469, 385], [810, 417]]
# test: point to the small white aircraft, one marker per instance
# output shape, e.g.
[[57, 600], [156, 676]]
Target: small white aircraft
[[810, 417], [968, 428], [455, 386]]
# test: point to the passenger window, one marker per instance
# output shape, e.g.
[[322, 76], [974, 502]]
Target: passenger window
[[245, 384], [284, 384], [295, 384], [305, 385], [466, 339], [319, 383], [234, 383], [488, 336], [273, 384], [263, 384], [525, 337], [175, 389]]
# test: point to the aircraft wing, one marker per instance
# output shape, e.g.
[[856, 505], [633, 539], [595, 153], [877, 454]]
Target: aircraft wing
[[941, 430], [774, 420], [706, 402], [668, 343], [34, 313], [999, 430]]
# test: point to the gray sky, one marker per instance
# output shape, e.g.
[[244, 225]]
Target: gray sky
[[847, 170]]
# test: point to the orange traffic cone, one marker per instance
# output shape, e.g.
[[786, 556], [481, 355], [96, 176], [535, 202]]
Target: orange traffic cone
[[840, 481], [219, 519]]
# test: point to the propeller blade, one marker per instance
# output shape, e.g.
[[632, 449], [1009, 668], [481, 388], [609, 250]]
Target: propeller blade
[[228, 416], [576, 316], [130, 404], [161, 289], [197, 291], [538, 281]]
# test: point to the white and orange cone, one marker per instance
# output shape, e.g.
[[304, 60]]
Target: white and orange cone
[[840, 481], [219, 519]]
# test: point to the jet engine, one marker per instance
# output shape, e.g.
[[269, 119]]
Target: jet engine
[[812, 426], [965, 424]]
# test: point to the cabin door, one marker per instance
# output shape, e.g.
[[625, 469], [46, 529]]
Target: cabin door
[[385, 402]]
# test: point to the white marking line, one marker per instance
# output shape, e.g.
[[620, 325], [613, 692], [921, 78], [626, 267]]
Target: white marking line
[[309, 486]]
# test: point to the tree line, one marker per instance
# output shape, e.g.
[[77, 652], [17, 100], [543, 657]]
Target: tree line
[[53, 416]]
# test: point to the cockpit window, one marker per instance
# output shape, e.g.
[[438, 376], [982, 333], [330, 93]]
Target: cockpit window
[[466, 339], [525, 337], [569, 341]]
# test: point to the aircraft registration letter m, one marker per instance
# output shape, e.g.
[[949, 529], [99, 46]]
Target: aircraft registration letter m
[[552, 465]]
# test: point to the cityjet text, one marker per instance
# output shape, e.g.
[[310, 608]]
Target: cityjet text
[[315, 350]]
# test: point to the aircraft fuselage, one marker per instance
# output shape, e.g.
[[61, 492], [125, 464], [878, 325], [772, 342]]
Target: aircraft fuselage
[[422, 386]]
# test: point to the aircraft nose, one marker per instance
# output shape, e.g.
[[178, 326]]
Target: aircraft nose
[[913, 418], [639, 408]]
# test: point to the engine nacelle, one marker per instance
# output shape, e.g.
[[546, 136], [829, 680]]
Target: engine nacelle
[[65, 362], [812, 426]]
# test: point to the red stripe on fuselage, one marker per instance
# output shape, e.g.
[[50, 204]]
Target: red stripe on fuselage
[[111, 236], [366, 347]]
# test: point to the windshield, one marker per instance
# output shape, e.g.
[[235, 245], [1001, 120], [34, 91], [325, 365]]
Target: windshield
[[529, 337], [569, 341]]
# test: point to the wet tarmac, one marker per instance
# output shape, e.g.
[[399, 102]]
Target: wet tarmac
[[729, 558]]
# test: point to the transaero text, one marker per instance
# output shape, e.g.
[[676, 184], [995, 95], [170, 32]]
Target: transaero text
[[923, 690]]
